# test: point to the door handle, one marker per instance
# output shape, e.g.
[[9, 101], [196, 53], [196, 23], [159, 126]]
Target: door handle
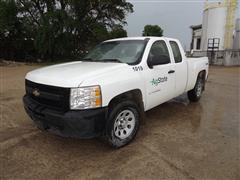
[[171, 71]]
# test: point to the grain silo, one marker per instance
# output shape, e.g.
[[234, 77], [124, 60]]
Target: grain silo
[[236, 40], [218, 25]]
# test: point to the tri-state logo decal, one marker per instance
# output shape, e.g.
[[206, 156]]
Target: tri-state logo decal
[[159, 80]]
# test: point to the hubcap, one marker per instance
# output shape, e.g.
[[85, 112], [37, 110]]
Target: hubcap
[[124, 124], [199, 88]]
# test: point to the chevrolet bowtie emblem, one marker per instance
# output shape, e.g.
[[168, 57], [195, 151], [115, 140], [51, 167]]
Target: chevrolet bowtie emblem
[[36, 92]]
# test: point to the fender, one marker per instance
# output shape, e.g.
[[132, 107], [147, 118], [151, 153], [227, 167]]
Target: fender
[[115, 83]]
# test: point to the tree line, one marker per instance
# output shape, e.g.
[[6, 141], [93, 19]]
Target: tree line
[[49, 29], [58, 29]]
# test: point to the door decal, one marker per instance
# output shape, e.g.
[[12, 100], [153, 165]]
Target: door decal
[[159, 80]]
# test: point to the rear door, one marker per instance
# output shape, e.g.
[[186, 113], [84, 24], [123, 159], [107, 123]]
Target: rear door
[[180, 68], [160, 79]]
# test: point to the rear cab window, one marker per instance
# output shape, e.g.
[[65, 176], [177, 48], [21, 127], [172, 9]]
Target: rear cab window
[[176, 51]]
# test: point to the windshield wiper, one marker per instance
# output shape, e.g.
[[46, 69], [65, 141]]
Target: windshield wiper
[[111, 60], [101, 60], [87, 59]]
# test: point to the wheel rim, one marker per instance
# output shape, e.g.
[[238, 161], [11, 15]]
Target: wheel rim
[[199, 88], [124, 124]]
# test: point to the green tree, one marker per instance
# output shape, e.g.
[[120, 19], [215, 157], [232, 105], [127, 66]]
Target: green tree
[[64, 26], [118, 32], [14, 35], [152, 30], [8, 19]]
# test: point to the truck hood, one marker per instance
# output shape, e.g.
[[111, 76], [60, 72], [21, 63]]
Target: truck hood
[[71, 74]]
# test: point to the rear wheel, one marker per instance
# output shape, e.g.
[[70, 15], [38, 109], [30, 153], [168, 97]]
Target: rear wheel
[[195, 94], [123, 123]]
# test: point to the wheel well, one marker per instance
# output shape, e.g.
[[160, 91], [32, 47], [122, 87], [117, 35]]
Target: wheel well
[[134, 95], [202, 74]]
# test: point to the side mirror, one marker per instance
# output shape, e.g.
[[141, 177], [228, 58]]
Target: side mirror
[[157, 60]]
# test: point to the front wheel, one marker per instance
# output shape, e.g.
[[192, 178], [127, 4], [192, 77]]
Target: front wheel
[[195, 94], [123, 123]]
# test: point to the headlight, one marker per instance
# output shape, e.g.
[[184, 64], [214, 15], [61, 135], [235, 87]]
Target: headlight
[[85, 97]]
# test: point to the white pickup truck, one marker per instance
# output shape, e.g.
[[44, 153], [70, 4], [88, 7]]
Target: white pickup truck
[[105, 93]]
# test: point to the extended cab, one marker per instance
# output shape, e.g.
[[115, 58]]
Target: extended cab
[[106, 92]]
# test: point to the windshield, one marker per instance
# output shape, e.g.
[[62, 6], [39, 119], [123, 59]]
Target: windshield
[[127, 51]]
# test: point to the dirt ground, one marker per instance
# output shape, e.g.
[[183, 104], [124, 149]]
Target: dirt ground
[[177, 140]]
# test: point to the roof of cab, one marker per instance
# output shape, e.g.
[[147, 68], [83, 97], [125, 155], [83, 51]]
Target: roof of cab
[[140, 38]]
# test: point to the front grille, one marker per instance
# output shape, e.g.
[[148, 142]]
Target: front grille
[[53, 97]]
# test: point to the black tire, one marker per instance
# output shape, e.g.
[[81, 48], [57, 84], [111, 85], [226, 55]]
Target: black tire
[[195, 94], [115, 111]]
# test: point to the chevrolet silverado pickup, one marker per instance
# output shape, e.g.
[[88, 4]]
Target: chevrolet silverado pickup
[[105, 93]]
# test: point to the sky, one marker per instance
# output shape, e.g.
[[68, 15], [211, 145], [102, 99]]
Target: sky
[[174, 16]]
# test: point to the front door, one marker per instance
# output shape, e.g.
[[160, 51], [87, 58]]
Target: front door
[[160, 78]]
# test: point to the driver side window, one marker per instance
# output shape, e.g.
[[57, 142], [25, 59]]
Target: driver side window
[[159, 52]]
